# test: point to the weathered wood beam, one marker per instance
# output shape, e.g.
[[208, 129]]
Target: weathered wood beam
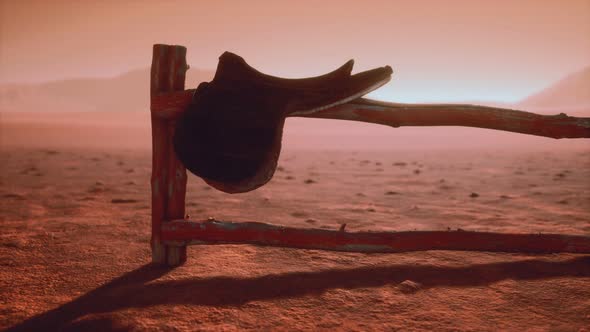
[[184, 232], [168, 180], [402, 115], [172, 105]]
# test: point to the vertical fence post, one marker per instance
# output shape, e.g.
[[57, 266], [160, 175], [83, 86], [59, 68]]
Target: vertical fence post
[[168, 180]]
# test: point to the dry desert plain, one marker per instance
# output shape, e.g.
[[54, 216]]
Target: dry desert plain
[[75, 216]]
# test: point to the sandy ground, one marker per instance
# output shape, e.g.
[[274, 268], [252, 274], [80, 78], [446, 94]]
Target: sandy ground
[[73, 260]]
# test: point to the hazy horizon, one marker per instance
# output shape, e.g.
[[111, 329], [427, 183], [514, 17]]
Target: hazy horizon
[[497, 53], [435, 228], [456, 50]]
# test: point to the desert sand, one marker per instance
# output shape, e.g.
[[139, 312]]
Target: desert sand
[[75, 213], [75, 166]]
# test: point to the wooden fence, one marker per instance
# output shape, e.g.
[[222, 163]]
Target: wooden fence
[[171, 232]]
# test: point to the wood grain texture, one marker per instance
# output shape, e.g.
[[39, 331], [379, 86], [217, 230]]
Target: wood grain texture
[[168, 174], [171, 105], [403, 115], [183, 232]]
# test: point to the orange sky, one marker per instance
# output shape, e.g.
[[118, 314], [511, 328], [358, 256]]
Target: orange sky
[[440, 50]]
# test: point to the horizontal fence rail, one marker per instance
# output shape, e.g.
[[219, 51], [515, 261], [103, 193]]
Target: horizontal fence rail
[[172, 105], [185, 232], [171, 234]]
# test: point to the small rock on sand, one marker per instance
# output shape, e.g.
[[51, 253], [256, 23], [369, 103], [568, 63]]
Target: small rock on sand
[[14, 196], [309, 181], [98, 187], [123, 200], [95, 190], [474, 195], [14, 243], [409, 287], [299, 214], [390, 192]]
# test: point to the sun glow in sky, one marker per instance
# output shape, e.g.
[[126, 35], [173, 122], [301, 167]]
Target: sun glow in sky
[[440, 50]]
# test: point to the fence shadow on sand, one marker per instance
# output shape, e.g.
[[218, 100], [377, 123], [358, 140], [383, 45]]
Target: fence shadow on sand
[[139, 288]]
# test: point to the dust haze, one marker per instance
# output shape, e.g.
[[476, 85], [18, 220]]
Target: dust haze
[[75, 150]]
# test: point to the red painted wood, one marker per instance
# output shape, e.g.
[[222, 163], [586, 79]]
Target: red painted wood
[[168, 174], [171, 105], [176, 173], [169, 100], [219, 232], [159, 133]]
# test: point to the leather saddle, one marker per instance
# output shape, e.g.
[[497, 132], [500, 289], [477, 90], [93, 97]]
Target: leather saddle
[[231, 133]]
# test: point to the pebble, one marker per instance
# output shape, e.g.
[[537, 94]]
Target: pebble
[[409, 287]]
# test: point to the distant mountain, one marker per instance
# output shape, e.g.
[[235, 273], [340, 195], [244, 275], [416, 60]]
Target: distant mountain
[[571, 92], [37, 110], [130, 92], [126, 92]]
